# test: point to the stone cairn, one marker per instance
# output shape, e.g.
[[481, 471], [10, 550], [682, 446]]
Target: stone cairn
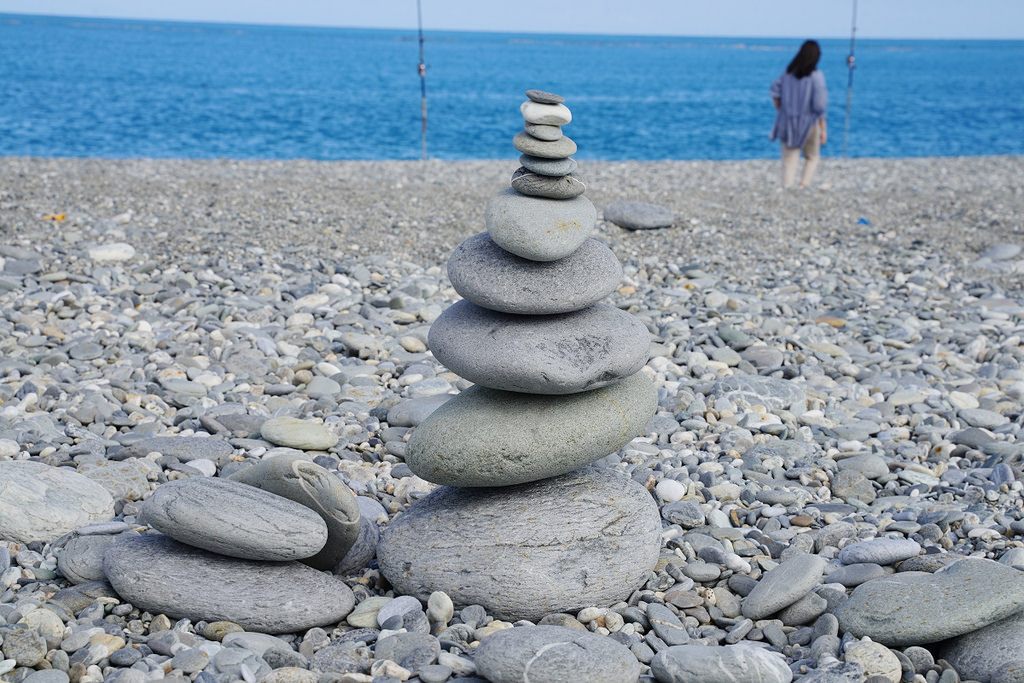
[[523, 524]]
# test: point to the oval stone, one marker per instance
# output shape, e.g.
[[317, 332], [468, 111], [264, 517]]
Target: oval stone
[[296, 433], [586, 538], [545, 97], [562, 353], [158, 574], [552, 167], [554, 654], [740, 663], [488, 437], [552, 187], [536, 228], [915, 608], [234, 519], [545, 114], [561, 148], [39, 502], [489, 276], [638, 215], [294, 477], [549, 133]]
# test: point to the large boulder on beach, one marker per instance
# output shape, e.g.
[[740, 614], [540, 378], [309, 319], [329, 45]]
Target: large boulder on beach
[[540, 354], [915, 608], [158, 574], [538, 228], [979, 654], [554, 654], [294, 477], [487, 437], [489, 276], [39, 502], [589, 537]]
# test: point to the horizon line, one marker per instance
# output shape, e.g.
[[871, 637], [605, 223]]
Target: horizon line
[[412, 28]]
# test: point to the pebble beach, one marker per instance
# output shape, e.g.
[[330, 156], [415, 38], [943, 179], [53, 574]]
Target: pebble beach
[[836, 454]]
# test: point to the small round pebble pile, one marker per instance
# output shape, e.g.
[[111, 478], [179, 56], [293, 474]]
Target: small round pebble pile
[[839, 376]]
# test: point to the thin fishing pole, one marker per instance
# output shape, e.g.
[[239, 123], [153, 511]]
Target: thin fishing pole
[[850, 63], [423, 80]]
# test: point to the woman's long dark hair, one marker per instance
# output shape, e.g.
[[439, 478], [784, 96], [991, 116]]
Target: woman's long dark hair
[[806, 60]]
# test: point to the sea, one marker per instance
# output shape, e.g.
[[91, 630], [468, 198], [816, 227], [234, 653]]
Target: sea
[[119, 88]]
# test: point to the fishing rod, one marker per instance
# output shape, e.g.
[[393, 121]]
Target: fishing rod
[[423, 80], [850, 63]]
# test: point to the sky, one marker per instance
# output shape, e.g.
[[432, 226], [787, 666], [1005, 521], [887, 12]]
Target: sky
[[985, 19]]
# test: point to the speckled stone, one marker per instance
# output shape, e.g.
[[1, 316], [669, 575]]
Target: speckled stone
[[554, 654]]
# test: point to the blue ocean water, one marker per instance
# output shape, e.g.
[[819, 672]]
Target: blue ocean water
[[125, 88]]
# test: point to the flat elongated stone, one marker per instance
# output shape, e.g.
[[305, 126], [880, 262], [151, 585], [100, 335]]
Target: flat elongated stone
[[540, 354], [545, 97], [310, 485], [740, 663], [915, 608], [551, 167], [638, 215], [487, 437], [880, 551], [561, 148], [489, 276], [784, 585], [536, 228], [586, 538], [234, 519], [184, 448], [295, 433], [159, 574], [554, 654], [545, 114], [551, 187], [39, 502]]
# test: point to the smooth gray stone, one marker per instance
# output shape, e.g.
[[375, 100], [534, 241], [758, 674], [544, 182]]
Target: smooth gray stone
[[400, 645], [551, 187], [487, 437], [852, 485], [47, 676], [561, 148], [81, 557], [184, 448], [489, 276], [563, 353], [881, 551], [545, 97], [915, 608], [855, 574], [770, 392], [542, 132], [782, 586], [39, 502], [554, 654], [549, 167], [362, 551], [804, 611], [412, 411], [979, 654], [536, 228], [589, 537], [158, 574], [870, 466], [294, 477], [234, 519], [667, 625], [739, 663], [638, 215]]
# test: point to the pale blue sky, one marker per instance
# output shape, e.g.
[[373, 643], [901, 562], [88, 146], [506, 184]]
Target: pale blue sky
[[754, 18]]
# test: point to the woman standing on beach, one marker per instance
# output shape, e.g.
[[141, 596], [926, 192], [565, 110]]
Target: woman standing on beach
[[801, 99]]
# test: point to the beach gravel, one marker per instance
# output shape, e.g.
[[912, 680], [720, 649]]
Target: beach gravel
[[829, 367]]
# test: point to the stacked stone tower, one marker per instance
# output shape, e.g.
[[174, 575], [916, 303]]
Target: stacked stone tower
[[522, 525]]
